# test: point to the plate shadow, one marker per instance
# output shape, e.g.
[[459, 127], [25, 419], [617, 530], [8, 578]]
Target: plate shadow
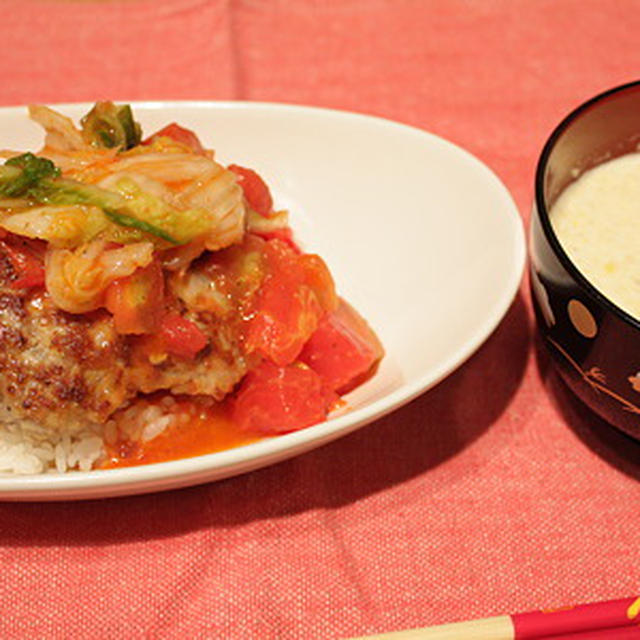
[[411, 441]]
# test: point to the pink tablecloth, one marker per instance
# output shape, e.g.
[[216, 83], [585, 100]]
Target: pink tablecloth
[[494, 492]]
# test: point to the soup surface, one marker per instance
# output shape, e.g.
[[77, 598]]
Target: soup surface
[[597, 220]]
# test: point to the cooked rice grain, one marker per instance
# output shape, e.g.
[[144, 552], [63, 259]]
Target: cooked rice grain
[[28, 448]]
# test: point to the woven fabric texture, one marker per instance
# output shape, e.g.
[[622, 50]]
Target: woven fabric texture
[[495, 492]]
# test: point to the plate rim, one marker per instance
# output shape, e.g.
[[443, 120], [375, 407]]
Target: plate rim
[[210, 467]]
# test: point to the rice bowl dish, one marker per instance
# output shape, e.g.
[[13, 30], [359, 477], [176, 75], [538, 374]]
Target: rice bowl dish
[[155, 305]]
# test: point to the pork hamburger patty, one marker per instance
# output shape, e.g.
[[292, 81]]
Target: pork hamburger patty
[[64, 370]]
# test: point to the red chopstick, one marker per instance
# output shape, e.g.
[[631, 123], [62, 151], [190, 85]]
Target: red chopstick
[[608, 620]]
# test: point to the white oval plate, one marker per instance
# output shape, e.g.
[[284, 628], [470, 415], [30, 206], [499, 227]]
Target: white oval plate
[[421, 237]]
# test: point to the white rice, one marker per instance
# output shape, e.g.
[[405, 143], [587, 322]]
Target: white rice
[[143, 421], [28, 448]]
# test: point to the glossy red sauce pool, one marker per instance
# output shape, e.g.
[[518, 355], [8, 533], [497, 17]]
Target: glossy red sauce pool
[[197, 430]]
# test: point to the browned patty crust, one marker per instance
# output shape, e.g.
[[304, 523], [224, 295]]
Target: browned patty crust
[[64, 371]]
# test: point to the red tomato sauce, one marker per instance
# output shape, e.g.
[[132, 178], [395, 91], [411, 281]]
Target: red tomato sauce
[[309, 346], [208, 429]]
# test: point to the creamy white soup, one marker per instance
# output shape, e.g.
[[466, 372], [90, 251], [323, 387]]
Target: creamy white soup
[[597, 220]]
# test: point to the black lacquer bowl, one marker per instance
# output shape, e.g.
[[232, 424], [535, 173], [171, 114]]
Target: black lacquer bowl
[[595, 344]]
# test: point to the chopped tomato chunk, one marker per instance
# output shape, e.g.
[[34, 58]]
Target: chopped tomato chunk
[[318, 278], [255, 189], [285, 234], [273, 399], [344, 350], [181, 336], [179, 134], [137, 301], [295, 293], [29, 268]]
